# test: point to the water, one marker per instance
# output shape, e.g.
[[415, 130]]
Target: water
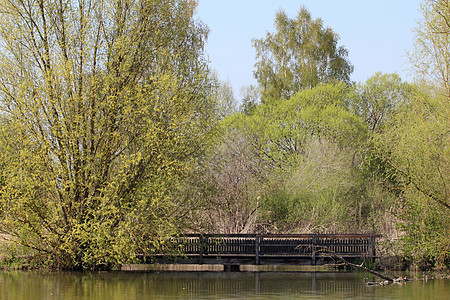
[[209, 285]]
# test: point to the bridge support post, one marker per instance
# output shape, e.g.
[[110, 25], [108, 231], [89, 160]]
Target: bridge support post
[[200, 240], [257, 249], [371, 247], [229, 267], [313, 249]]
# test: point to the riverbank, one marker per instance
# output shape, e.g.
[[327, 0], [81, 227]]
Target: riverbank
[[383, 264], [15, 258]]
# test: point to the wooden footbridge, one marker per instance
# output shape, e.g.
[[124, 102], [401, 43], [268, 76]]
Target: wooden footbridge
[[232, 250]]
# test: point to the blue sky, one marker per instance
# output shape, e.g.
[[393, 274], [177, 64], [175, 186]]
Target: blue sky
[[377, 33]]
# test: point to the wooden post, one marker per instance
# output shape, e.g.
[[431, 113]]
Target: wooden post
[[313, 249], [200, 262], [227, 266], [371, 247], [257, 249]]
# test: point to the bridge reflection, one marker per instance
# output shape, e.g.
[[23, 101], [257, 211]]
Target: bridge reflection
[[169, 285], [323, 284]]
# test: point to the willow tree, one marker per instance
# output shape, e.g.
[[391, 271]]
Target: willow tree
[[301, 54], [431, 55], [415, 142], [104, 107]]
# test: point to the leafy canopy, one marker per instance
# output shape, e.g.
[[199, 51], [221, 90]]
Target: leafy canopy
[[280, 131], [104, 107], [301, 54]]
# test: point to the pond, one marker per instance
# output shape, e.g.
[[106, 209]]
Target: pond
[[210, 285]]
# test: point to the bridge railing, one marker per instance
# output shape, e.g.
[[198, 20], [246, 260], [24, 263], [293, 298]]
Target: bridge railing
[[277, 245]]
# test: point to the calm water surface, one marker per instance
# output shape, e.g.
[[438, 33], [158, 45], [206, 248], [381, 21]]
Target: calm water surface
[[127, 285]]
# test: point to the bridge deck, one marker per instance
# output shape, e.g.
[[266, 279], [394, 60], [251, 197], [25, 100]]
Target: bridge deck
[[238, 249]]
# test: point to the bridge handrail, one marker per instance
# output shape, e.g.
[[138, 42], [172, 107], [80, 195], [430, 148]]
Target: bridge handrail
[[282, 235], [260, 246]]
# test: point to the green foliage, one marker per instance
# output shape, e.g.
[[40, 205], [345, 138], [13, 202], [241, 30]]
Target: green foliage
[[333, 157], [416, 148], [300, 55], [104, 109], [250, 99], [431, 55], [304, 155], [108, 136], [426, 228], [379, 97], [279, 131], [408, 148], [416, 145], [407, 152], [326, 192]]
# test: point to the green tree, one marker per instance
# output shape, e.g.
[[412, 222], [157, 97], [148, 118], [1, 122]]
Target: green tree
[[301, 54], [280, 131], [104, 107], [415, 150], [414, 145], [290, 147], [431, 55], [379, 97], [250, 99]]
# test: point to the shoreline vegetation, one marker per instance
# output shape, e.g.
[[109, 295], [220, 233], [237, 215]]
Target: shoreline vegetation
[[393, 270], [115, 134], [389, 265]]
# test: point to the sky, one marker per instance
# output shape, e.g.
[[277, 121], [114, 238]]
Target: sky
[[377, 33]]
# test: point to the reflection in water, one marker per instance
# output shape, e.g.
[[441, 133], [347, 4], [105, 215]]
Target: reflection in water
[[117, 285]]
